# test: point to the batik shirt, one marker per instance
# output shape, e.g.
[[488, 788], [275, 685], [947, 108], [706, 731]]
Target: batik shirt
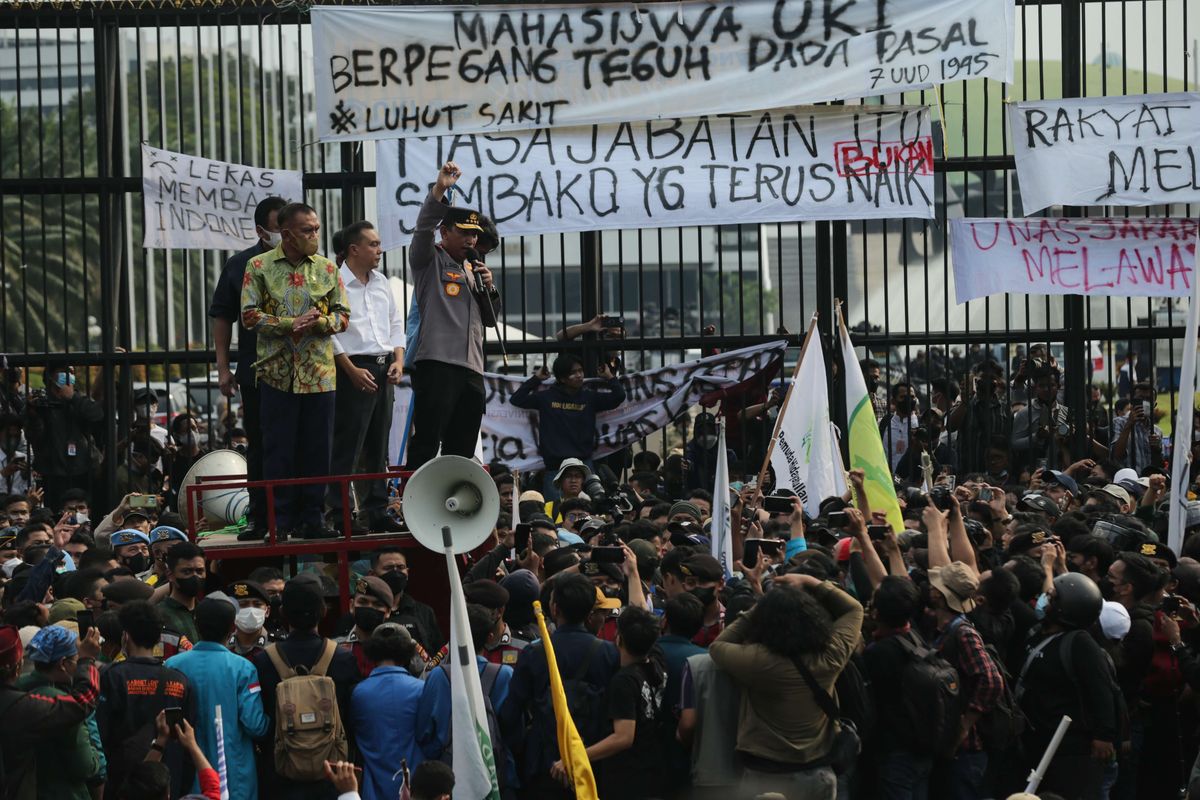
[[274, 293]]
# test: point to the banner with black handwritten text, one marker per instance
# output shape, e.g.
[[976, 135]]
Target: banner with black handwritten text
[[843, 162], [401, 71], [1149, 257], [652, 399], [193, 203], [1138, 150]]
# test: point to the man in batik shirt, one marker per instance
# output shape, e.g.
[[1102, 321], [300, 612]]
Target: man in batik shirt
[[294, 300]]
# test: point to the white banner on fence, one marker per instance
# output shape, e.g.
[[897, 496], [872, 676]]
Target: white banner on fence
[[193, 203], [1139, 150], [847, 162], [653, 398], [1087, 256], [383, 73]]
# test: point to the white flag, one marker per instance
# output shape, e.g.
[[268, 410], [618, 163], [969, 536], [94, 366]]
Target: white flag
[[472, 759], [803, 455], [222, 771], [722, 536], [1181, 437]]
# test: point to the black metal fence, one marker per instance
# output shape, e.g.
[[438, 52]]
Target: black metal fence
[[83, 84]]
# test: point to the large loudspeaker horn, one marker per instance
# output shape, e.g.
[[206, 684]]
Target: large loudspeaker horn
[[220, 506], [454, 492]]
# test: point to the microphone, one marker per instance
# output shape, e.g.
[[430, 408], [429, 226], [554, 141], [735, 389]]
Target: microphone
[[472, 255]]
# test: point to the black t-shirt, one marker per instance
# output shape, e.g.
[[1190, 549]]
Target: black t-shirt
[[636, 692]]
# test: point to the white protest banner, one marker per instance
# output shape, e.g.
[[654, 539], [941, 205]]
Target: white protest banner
[[802, 453], [1087, 256], [1182, 435], [1138, 150], [390, 72], [193, 203], [653, 398], [844, 162]]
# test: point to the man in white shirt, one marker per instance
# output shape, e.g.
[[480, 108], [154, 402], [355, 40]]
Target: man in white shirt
[[370, 360]]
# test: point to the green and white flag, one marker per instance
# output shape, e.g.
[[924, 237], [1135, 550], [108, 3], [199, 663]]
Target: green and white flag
[[803, 452], [473, 762]]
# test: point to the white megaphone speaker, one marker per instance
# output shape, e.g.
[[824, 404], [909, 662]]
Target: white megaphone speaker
[[451, 492]]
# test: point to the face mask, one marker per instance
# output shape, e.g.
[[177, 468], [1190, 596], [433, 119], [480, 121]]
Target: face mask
[[273, 238], [707, 441], [138, 564], [904, 405], [249, 620], [368, 619], [189, 439], [189, 587], [773, 413], [705, 594], [1043, 602], [1107, 590], [872, 384], [397, 581], [65, 378]]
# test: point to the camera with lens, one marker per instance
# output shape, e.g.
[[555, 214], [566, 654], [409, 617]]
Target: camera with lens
[[942, 497]]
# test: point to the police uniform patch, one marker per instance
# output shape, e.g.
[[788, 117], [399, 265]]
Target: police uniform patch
[[509, 657], [453, 289]]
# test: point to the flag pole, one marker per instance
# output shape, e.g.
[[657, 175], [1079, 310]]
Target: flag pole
[[787, 398]]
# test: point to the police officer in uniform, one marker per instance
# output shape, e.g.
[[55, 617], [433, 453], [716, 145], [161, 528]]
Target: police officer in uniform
[[250, 636], [455, 299], [495, 597]]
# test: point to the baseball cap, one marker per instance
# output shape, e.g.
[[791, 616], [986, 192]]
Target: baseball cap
[[1117, 493], [702, 566], [595, 568], [1125, 474], [958, 583], [604, 602], [1036, 501], [1062, 479], [1024, 542], [1158, 550]]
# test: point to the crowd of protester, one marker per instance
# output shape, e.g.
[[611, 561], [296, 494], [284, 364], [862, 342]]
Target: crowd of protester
[[840, 657]]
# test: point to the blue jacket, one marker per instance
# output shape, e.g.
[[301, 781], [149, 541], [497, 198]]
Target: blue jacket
[[385, 728], [434, 713], [220, 678]]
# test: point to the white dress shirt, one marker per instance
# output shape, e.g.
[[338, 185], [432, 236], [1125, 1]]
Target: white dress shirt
[[376, 326]]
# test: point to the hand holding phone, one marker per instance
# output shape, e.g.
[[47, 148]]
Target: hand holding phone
[[85, 620], [174, 717]]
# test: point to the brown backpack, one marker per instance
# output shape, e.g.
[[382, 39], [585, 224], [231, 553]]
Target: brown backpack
[[308, 725]]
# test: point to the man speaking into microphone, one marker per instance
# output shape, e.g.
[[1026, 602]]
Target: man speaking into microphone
[[455, 299]]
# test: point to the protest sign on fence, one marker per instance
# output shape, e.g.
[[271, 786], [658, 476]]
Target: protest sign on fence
[[194, 203], [1087, 256], [1139, 150], [383, 73], [845, 162], [652, 399]]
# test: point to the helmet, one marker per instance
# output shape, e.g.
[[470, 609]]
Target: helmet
[[1077, 601]]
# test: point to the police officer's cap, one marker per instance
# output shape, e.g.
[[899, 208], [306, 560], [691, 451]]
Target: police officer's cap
[[465, 219]]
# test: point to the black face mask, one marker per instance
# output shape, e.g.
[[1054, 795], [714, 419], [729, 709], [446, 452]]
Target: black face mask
[[397, 581], [1107, 590], [368, 619], [138, 563], [189, 587], [872, 384], [705, 594], [904, 405]]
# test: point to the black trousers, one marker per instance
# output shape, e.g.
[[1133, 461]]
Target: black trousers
[[252, 424], [361, 423], [297, 440], [448, 405]]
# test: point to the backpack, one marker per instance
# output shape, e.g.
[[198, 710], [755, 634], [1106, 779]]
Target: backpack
[[854, 698], [308, 725], [585, 701], [487, 680], [1003, 724], [931, 698]]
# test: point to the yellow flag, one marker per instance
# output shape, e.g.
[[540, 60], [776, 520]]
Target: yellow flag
[[866, 445], [570, 746]]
